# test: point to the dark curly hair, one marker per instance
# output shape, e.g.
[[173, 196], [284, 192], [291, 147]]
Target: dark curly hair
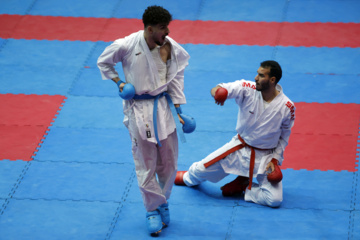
[[154, 15]]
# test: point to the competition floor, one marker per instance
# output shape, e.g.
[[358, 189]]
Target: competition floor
[[66, 170]]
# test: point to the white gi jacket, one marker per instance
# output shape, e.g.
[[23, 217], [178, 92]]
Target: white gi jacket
[[262, 128], [140, 70]]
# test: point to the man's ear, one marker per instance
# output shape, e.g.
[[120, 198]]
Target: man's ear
[[149, 29], [273, 79]]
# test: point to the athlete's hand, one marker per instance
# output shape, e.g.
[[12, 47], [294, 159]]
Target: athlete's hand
[[275, 175], [181, 120], [220, 96], [269, 168], [121, 86]]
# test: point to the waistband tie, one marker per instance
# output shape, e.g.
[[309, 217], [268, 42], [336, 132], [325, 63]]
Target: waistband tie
[[231, 150], [173, 111]]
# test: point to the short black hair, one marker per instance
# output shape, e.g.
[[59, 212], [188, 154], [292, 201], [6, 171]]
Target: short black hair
[[154, 15], [275, 69]]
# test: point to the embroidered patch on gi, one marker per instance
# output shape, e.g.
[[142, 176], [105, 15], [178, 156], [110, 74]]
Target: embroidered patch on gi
[[137, 54], [148, 132]]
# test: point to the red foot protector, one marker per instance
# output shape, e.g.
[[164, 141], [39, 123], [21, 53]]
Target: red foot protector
[[324, 137], [179, 179], [24, 121]]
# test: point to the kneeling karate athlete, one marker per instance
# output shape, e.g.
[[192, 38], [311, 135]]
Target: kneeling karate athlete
[[153, 65], [264, 123]]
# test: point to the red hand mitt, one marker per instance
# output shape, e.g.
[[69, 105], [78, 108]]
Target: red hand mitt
[[221, 95], [276, 175]]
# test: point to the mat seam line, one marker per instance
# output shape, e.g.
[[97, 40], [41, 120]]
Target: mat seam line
[[47, 130], [283, 19], [79, 73], [131, 179], [232, 220], [17, 24], [61, 200], [85, 162], [138, 202], [353, 202], [120, 206], [15, 187]]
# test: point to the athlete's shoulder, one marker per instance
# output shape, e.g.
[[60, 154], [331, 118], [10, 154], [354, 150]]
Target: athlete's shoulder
[[247, 84], [129, 40]]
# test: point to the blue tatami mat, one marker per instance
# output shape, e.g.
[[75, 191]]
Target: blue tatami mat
[[316, 11], [54, 80], [282, 223], [72, 181], [81, 184], [85, 112], [10, 172], [319, 87], [228, 10], [39, 219], [293, 59], [197, 222], [86, 145], [45, 53], [182, 10], [356, 218], [88, 84], [20, 7]]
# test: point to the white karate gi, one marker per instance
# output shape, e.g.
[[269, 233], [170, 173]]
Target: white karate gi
[[264, 128], [141, 71]]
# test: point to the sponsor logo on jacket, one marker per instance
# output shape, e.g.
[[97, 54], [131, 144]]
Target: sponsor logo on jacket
[[250, 85], [292, 109]]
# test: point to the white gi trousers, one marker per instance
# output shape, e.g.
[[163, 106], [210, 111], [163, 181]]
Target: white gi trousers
[[155, 166], [263, 192]]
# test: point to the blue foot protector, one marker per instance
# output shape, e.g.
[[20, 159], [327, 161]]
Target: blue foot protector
[[165, 214], [154, 223]]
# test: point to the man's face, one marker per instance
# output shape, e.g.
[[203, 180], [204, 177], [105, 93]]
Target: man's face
[[262, 79], [160, 31]]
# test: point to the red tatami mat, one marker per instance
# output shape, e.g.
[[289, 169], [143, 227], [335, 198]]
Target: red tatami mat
[[20, 142], [24, 109], [184, 31], [24, 120], [324, 137], [321, 152], [327, 118]]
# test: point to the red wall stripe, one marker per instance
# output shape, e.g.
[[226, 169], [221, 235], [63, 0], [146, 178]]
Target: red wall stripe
[[197, 32]]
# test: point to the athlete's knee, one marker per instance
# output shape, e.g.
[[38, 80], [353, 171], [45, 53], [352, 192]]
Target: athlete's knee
[[197, 169], [195, 175], [273, 200]]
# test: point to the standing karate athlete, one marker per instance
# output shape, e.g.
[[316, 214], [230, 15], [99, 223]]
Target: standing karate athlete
[[154, 65], [264, 124]]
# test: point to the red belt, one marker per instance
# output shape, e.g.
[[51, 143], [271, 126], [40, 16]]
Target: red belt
[[238, 147]]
